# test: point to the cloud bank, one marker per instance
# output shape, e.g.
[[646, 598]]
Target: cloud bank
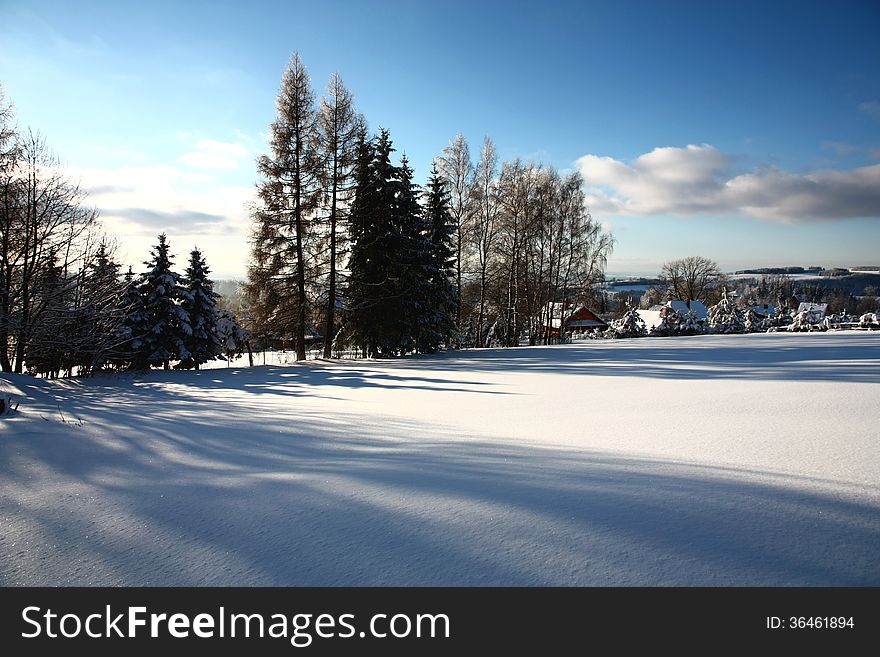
[[699, 179]]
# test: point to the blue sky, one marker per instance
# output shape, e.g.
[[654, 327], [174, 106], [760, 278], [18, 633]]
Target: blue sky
[[745, 132]]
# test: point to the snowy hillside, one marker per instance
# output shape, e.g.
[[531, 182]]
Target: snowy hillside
[[713, 460]]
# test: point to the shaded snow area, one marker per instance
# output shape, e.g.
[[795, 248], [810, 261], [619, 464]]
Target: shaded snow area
[[711, 460]]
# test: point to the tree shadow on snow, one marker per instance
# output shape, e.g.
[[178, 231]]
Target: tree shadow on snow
[[228, 497]]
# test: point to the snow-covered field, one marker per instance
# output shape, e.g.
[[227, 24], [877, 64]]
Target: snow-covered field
[[713, 460]]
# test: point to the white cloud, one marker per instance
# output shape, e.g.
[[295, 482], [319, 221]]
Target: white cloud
[[871, 108], [788, 197], [138, 202], [699, 179], [211, 154]]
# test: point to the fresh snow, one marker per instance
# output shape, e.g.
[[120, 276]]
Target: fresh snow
[[706, 460]]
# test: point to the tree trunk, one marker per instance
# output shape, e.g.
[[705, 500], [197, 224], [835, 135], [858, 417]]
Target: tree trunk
[[300, 265], [458, 279], [329, 329]]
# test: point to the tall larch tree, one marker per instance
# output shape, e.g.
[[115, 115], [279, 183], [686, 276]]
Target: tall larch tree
[[339, 130], [288, 197]]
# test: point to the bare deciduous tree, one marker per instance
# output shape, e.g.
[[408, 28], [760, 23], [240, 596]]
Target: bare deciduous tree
[[45, 218], [485, 227], [457, 171], [691, 278]]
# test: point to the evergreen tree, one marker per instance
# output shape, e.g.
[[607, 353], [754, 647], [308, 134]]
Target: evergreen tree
[[234, 339], [411, 269], [131, 351], [726, 316], [690, 324], [356, 330], [751, 321], [102, 320], [443, 294], [164, 321], [339, 130], [202, 342], [390, 263], [371, 233], [630, 325], [289, 194]]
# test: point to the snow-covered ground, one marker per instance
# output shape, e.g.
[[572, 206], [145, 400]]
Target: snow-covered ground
[[713, 460]]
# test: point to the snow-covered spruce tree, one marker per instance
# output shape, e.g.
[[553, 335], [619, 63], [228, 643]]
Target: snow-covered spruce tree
[[869, 321], [725, 316], [199, 303], [631, 325], [443, 293], [690, 323], [129, 352], [667, 326], [751, 321], [234, 339], [165, 322]]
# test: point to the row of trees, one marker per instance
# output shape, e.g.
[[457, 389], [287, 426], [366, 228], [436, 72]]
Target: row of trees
[[168, 317], [65, 306], [300, 222], [726, 316], [399, 296], [486, 253], [699, 278], [527, 247]]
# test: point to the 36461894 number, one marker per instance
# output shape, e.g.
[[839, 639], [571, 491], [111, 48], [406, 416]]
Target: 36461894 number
[[820, 622]]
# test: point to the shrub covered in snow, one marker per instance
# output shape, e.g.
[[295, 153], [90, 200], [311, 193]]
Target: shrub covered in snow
[[780, 321], [668, 325], [805, 320], [869, 321], [690, 324], [753, 322], [233, 338], [726, 317], [631, 325]]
